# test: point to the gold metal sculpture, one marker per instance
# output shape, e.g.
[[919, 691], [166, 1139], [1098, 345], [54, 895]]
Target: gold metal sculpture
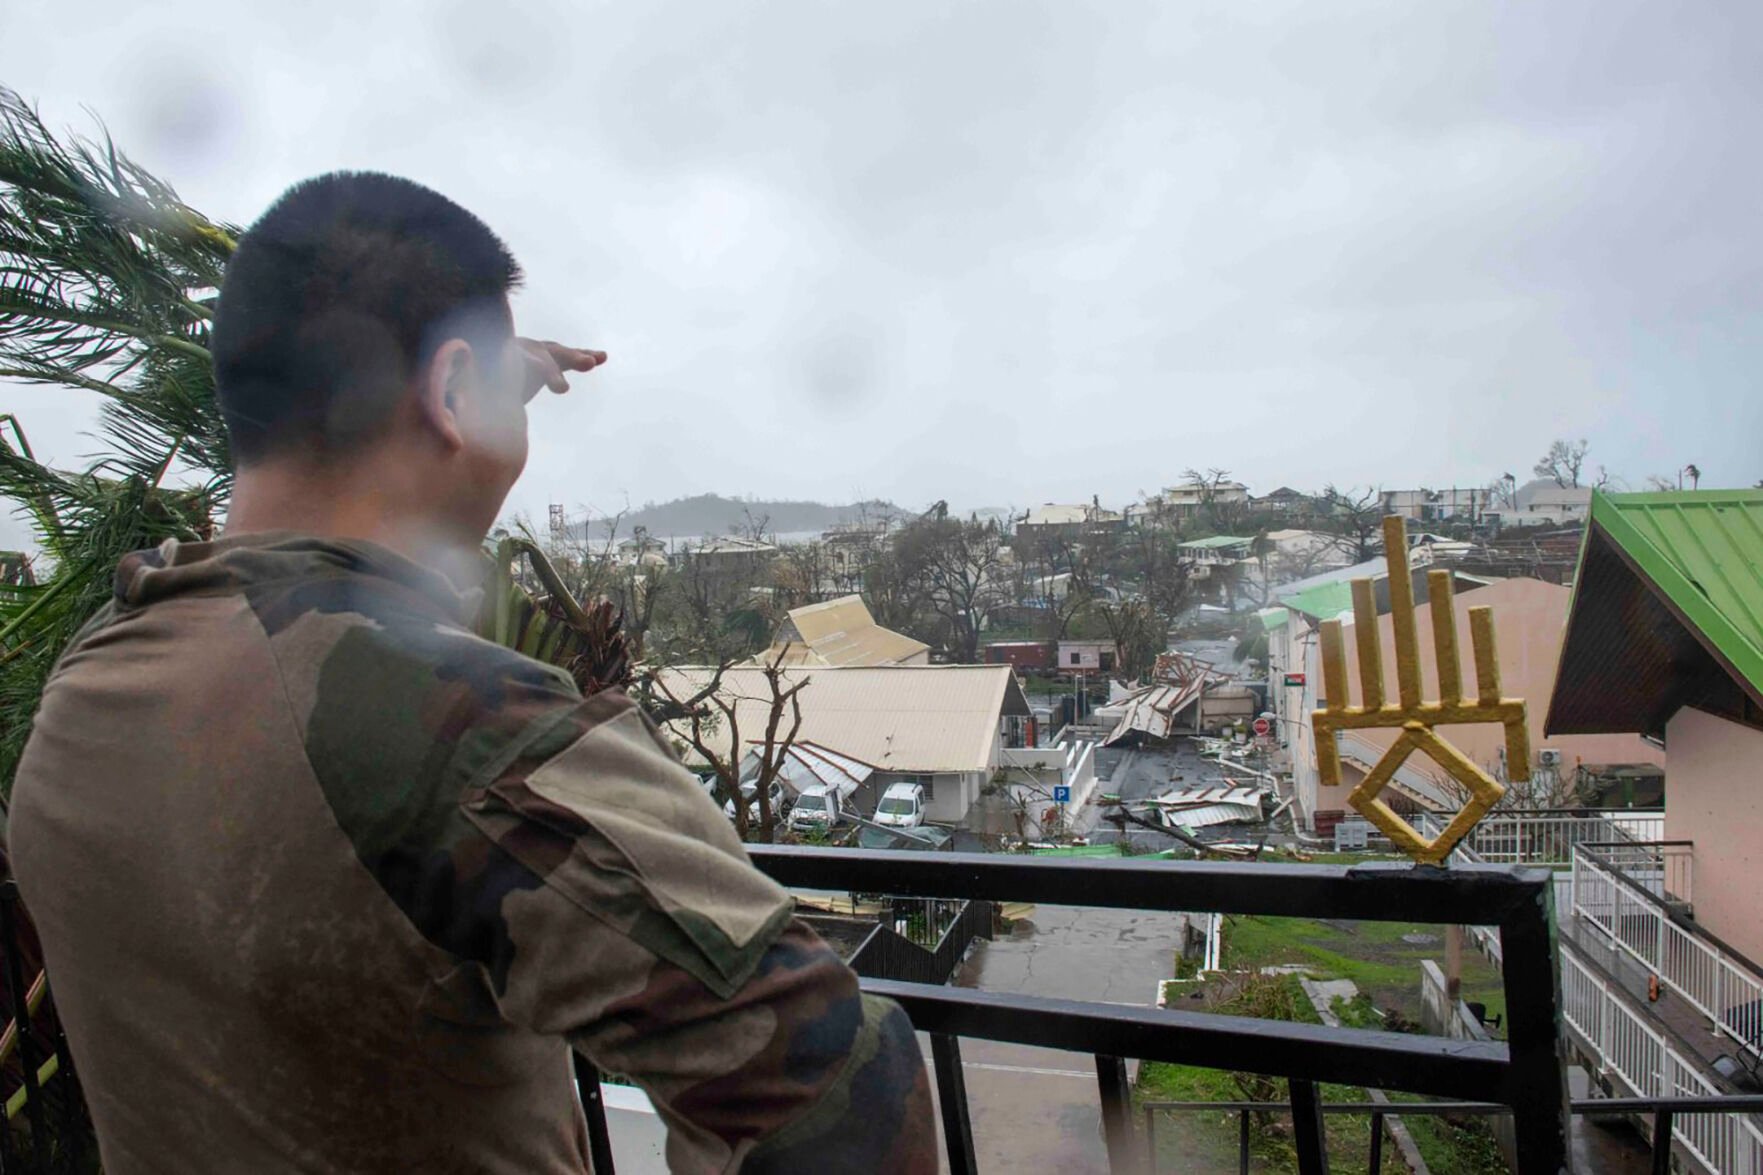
[[1416, 718]]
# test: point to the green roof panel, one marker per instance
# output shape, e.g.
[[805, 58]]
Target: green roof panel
[[1704, 550], [1273, 619], [1325, 601]]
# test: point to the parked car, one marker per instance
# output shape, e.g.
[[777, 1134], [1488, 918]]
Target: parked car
[[902, 806], [818, 808], [750, 793]]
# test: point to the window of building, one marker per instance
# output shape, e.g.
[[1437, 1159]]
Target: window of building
[[1077, 658]]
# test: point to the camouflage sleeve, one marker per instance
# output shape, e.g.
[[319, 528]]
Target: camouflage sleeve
[[652, 943]]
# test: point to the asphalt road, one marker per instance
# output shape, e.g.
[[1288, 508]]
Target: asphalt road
[[1037, 1109]]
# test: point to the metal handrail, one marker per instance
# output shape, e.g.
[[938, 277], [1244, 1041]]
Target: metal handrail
[[1722, 985], [1525, 1073], [1626, 1044], [1664, 1112]]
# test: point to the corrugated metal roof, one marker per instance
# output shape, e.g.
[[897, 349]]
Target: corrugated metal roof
[[1204, 807], [806, 765], [1325, 601], [925, 718], [1217, 540], [1667, 611], [1153, 709], [1053, 514], [842, 632], [1325, 597], [1704, 550]]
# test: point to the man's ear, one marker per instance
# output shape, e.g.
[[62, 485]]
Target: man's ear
[[445, 383]]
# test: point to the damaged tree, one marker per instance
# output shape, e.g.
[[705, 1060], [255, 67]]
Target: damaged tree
[[706, 712]]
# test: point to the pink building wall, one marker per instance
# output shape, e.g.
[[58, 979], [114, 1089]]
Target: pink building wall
[[1714, 797]]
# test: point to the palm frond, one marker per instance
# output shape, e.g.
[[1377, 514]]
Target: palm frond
[[584, 639]]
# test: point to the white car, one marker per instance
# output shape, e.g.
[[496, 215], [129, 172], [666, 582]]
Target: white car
[[750, 793], [818, 808], [902, 806]]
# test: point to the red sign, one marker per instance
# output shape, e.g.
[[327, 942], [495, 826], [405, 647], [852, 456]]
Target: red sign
[[1294, 680], [1262, 726]]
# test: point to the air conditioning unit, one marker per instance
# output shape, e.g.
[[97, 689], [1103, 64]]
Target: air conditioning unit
[[1549, 757]]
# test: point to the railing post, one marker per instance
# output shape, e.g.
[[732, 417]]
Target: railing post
[[1243, 1142], [1659, 936], [1662, 1142], [1532, 983], [945, 1053], [587, 1082], [1307, 1130], [73, 1107], [1116, 1113], [1375, 1165], [1720, 995], [18, 996]]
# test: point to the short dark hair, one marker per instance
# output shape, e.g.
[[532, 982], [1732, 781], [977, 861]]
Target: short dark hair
[[335, 297]]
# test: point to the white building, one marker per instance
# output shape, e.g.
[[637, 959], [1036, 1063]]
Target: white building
[[1544, 503]]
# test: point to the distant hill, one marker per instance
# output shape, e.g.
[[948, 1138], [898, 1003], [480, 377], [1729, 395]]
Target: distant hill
[[713, 514]]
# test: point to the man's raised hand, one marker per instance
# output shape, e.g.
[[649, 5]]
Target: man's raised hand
[[547, 361]]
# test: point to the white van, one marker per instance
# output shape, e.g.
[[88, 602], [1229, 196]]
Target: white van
[[902, 806], [818, 809]]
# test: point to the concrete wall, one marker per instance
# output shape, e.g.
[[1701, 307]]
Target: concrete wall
[[1714, 796], [1293, 649], [1441, 1016], [951, 796], [639, 1137]]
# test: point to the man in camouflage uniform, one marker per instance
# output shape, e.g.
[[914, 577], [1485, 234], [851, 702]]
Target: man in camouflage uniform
[[327, 883]]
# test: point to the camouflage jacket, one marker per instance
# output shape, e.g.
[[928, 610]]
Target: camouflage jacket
[[326, 883]]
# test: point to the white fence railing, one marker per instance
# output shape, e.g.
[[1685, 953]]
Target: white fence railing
[[1548, 837], [1631, 909], [1629, 1047]]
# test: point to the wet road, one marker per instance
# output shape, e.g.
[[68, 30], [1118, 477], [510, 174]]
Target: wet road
[[1036, 1109]]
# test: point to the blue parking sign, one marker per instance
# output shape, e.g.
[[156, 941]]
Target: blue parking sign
[[1062, 795]]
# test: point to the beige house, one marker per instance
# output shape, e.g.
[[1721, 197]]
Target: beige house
[[938, 725], [841, 632], [1665, 640]]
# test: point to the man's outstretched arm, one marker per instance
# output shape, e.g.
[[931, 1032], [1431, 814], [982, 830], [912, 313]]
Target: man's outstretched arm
[[636, 926]]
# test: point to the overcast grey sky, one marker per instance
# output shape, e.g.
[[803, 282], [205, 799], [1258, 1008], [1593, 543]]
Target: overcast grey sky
[[1014, 252]]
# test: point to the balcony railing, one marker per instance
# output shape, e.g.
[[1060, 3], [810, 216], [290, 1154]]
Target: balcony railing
[[1523, 1074], [1665, 1112], [1623, 1040], [1625, 1043], [1548, 836], [1635, 895]]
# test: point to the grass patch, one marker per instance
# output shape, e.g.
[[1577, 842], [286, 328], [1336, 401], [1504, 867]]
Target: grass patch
[[1200, 1140], [1373, 955]]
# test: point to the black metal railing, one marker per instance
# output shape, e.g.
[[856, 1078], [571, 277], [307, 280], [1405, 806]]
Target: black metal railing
[[929, 956], [43, 1122], [1524, 1075], [1661, 1112]]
